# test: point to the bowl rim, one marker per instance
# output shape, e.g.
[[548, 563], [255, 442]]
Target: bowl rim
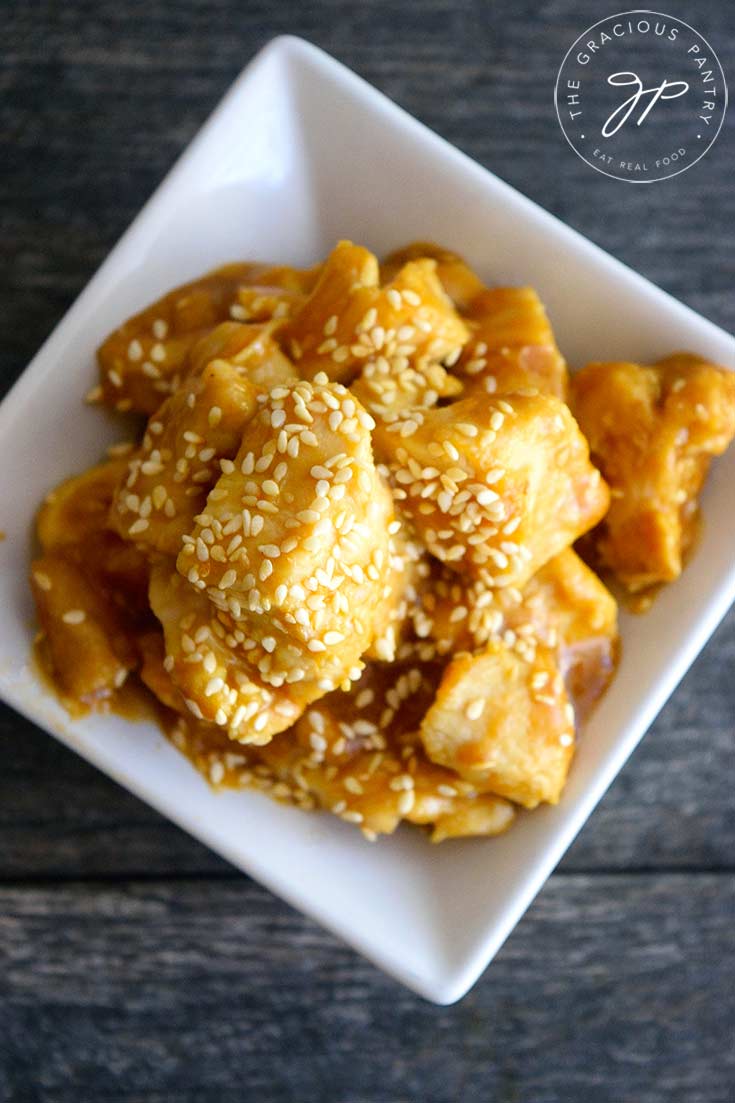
[[451, 985]]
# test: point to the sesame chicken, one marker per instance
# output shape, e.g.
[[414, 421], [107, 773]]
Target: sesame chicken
[[512, 347], [653, 431], [73, 523], [84, 639], [207, 663], [250, 349], [493, 486], [386, 389], [567, 606], [169, 477], [293, 540], [408, 565], [460, 283], [492, 726], [358, 754], [564, 607], [338, 559], [147, 357], [350, 324]]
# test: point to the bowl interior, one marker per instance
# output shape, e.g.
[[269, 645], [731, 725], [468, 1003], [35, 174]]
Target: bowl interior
[[299, 154]]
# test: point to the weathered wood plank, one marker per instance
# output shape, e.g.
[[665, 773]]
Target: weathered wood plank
[[612, 988], [672, 806]]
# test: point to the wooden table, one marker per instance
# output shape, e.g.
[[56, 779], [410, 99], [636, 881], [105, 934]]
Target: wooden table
[[134, 965]]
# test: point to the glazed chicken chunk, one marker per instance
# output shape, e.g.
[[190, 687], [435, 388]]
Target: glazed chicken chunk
[[90, 588], [251, 350], [503, 723], [351, 324], [456, 277], [168, 479], [209, 667], [358, 754], [653, 432], [564, 607], [494, 486], [294, 539], [512, 347]]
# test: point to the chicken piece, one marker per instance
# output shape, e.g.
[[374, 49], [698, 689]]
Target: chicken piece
[[276, 295], [73, 521], [251, 349], [170, 477], [87, 650], [349, 322], [293, 540], [653, 431], [207, 662], [564, 607], [512, 347], [494, 487], [153, 673], [357, 753], [385, 390], [569, 608], [393, 616], [282, 278], [147, 357], [75, 512], [461, 284], [503, 723]]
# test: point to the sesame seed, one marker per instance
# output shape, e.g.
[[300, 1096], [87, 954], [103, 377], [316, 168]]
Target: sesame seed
[[135, 350], [42, 580], [214, 416], [159, 329], [214, 685], [407, 799], [74, 616], [475, 709]]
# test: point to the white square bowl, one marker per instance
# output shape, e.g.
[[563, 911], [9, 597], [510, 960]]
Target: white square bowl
[[300, 153]]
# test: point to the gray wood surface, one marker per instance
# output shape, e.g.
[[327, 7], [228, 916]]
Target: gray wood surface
[[134, 965], [213, 990]]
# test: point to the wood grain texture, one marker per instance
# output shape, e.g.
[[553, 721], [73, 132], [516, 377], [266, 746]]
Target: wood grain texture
[[237, 997], [189, 982]]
